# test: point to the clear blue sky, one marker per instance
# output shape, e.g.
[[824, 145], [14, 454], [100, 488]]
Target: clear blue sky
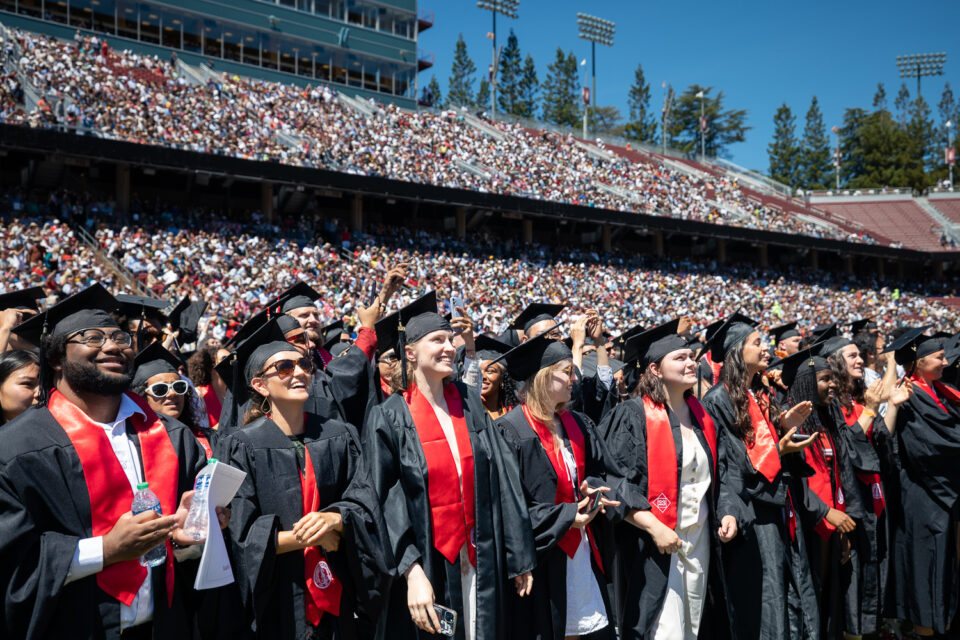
[[759, 53]]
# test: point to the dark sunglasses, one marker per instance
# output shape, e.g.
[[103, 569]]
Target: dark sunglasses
[[286, 368], [161, 389]]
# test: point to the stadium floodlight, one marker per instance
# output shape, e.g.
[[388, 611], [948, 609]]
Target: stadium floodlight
[[920, 65], [595, 30], [509, 9]]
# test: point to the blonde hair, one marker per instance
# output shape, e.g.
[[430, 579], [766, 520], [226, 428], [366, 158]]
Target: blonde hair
[[536, 396], [395, 380]]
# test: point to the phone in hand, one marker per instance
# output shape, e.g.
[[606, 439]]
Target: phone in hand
[[448, 620], [456, 303], [596, 501], [799, 437]]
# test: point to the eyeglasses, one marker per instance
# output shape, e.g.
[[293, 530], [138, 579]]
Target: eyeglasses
[[95, 338], [161, 389], [390, 359], [569, 370], [286, 368], [298, 339]]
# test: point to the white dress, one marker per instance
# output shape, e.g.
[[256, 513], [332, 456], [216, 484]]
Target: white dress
[[682, 610], [585, 610]]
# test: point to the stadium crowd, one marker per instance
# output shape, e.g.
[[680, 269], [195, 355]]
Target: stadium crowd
[[121, 95]]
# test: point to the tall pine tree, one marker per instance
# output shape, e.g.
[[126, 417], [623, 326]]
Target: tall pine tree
[[948, 111], [643, 125], [902, 104], [853, 162], [460, 92], [724, 126], [815, 150], [529, 87], [483, 94], [508, 77], [880, 97], [783, 150], [432, 97], [561, 91], [921, 133]]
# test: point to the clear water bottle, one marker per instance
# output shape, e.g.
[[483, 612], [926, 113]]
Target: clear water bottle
[[146, 500], [198, 518]]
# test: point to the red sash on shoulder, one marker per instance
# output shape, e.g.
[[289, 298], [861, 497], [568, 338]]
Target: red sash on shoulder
[[662, 484], [852, 416], [566, 492], [764, 450], [323, 587], [452, 512], [945, 391], [826, 476], [212, 404], [204, 442], [109, 489], [715, 367]]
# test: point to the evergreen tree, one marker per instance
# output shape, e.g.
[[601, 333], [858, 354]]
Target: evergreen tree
[[561, 91], [483, 94], [853, 163], [948, 111], [783, 150], [886, 149], [815, 153], [508, 78], [529, 87], [902, 104], [460, 91], [922, 157], [724, 127], [431, 94], [642, 126], [604, 120], [880, 97]]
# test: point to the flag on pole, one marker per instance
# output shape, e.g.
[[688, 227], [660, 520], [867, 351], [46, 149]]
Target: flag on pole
[[700, 94]]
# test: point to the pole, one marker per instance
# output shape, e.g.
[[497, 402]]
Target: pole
[[950, 164], [836, 161], [593, 76], [493, 72], [703, 141]]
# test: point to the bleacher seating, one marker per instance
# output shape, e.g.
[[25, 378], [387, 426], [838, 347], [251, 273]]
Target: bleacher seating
[[903, 220]]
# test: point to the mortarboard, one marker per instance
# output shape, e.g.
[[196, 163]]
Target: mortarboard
[[22, 299], [533, 355], [534, 313], [153, 361], [784, 331], [490, 348], [802, 363]]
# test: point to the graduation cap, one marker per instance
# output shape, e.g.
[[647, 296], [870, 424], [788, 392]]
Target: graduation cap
[[621, 340], [830, 346], [142, 306], [339, 347], [297, 296], [653, 344], [25, 299], [526, 360], [386, 327], [490, 348], [185, 318], [863, 324], [331, 334], [534, 313], [802, 363], [85, 309], [590, 364], [824, 332], [409, 324], [509, 337], [153, 361], [733, 331], [784, 331], [250, 327], [912, 344]]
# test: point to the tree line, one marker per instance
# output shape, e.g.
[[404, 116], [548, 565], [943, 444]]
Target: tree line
[[557, 99], [881, 147]]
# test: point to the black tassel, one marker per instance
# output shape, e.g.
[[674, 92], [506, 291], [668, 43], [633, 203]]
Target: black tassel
[[42, 368], [234, 399], [402, 353], [143, 321]]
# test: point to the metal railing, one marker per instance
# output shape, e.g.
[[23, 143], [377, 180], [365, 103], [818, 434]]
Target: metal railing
[[119, 270]]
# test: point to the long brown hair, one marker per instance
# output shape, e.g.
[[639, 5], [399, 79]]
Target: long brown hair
[[739, 383]]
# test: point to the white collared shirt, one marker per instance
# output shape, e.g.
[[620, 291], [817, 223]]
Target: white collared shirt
[[88, 557]]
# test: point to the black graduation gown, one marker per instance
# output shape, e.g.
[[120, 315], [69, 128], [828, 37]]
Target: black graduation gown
[[44, 513], [394, 461], [270, 500], [642, 572], [769, 585], [543, 614], [924, 579], [590, 397]]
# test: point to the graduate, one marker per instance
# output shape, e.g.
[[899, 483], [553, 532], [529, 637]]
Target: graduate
[[19, 383], [923, 414], [16, 307], [564, 474], [68, 471], [497, 387], [786, 339], [449, 490], [669, 575], [767, 573], [294, 540], [847, 365]]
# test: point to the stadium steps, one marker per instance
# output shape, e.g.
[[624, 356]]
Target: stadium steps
[[483, 127], [109, 263], [192, 74], [595, 152], [360, 106], [475, 168], [752, 178], [949, 228], [948, 206], [630, 196], [292, 200], [901, 218]]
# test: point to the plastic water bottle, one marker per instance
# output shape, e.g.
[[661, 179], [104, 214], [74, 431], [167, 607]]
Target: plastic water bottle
[[198, 517], [146, 500]]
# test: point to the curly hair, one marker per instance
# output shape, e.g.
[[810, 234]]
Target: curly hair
[[850, 389], [805, 389], [739, 383], [200, 366]]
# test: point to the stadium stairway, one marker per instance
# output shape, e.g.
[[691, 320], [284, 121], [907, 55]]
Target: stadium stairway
[[948, 204], [951, 229], [109, 263], [900, 216]]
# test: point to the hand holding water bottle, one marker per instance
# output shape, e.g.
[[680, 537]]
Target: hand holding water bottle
[[194, 512]]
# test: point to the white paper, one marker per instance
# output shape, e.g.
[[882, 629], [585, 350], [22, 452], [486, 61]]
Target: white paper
[[215, 570]]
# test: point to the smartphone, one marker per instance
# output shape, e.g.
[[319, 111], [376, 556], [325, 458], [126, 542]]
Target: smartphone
[[799, 437], [456, 303], [595, 501], [448, 620]]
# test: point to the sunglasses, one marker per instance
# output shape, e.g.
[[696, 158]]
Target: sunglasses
[[286, 368], [570, 370], [161, 389]]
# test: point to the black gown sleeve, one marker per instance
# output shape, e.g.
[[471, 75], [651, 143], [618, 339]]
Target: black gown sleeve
[[253, 533], [351, 382], [731, 458], [623, 436]]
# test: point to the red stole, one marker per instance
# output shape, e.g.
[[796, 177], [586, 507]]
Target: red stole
[[714, 367], [212, 403], [324, 590], [662, 484], [764, 450], [204, 442], [826, 476], [325, 356], [566, 492], [852, 416], [452, 511], [385, 388], [109, 489], [943, 390], [872, 480]]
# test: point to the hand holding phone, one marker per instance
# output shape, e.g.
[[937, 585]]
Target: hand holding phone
[[448, 620]]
